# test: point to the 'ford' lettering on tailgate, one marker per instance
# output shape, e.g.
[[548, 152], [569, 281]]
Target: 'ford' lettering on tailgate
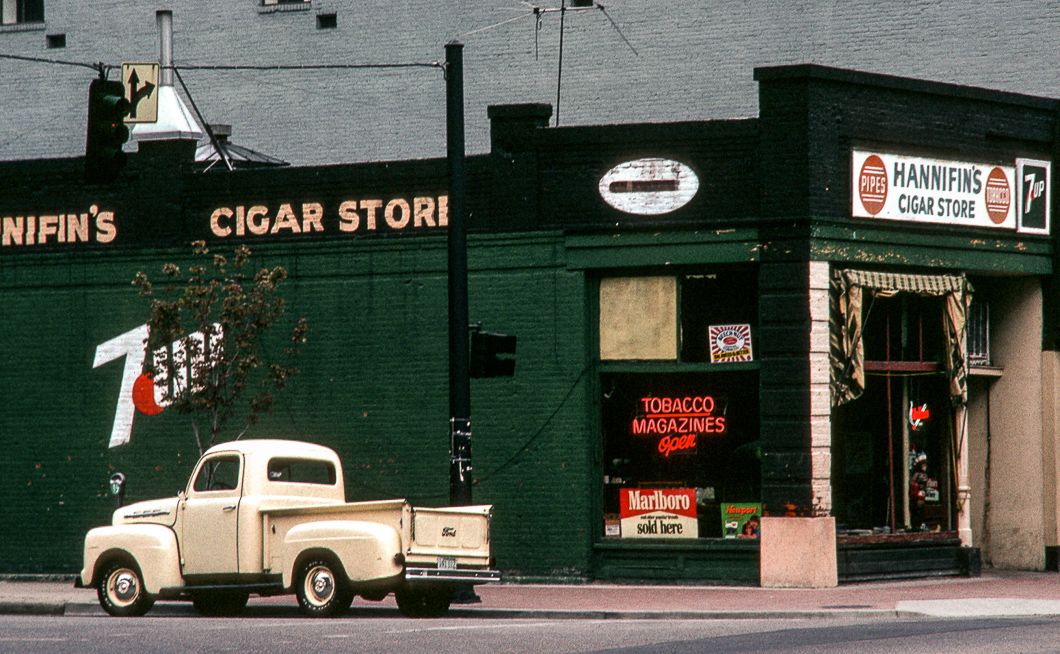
[[448, 532]]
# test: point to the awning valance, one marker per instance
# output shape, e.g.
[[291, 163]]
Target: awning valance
[[846, 345]]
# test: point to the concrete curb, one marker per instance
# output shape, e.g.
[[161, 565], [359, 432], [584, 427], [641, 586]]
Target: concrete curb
[[550, 614], [85, 609], [44, 607], [938, 609]]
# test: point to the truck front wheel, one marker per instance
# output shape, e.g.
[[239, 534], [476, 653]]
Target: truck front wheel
[[322, 590], [121, 590]]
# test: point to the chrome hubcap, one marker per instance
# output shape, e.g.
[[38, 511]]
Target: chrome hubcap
[[124, 586], [321, 584]]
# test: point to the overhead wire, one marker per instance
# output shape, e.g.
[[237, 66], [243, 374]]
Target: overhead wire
[[413, 64], [495, 25], [205, 125], [511, 460], [42, 60], [537, 11], [103, 68]]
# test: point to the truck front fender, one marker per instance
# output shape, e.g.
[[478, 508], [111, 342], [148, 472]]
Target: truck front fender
[[367, 551], [152, 547]]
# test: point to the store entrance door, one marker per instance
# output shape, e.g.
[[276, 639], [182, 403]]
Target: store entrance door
[[893, 457]]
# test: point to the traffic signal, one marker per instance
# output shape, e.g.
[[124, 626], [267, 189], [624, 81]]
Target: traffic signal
[[486, 348], [106, 132]]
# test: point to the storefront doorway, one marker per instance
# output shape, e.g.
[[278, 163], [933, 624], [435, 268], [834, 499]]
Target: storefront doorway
[[894, 446]]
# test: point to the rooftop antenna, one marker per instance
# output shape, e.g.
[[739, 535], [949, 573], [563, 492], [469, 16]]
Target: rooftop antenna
[[559, 70], [575, 5]]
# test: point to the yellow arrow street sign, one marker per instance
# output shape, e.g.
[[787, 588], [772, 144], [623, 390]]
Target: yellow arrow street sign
[[141, 90]]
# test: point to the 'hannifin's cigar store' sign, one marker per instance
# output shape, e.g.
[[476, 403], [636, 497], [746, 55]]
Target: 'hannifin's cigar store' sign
[[959, 193]]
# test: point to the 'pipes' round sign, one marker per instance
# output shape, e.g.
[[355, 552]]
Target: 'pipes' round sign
[[649, 187]]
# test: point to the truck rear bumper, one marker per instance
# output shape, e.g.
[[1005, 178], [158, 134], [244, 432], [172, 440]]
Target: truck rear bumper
[[464, 576]]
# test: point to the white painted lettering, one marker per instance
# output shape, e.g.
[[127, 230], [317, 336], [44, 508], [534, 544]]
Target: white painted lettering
[[349, 219], [215, 222], [397, 213]]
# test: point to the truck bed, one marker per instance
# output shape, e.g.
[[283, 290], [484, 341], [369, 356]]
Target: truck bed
[[445, 544]]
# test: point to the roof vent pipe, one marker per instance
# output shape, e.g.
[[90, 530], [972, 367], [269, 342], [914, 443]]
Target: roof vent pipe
[[175, 121], [165, 52]]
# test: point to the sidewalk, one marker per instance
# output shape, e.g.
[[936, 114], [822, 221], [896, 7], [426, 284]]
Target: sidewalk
[[995, 593]]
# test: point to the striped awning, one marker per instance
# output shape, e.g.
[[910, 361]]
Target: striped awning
[[901, 282], [846, 349]]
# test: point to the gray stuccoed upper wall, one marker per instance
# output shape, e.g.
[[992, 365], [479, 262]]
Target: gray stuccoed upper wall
[[695, 62]]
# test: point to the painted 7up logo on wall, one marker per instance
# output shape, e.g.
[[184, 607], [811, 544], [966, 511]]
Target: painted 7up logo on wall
[[140, 391]]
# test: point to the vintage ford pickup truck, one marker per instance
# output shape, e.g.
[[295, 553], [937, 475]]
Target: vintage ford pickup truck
[[270, 517]]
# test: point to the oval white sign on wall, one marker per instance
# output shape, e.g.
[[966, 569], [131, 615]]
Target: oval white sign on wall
[[649, 187]]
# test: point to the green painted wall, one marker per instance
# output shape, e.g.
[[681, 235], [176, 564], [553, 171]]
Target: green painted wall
[[373, 385]]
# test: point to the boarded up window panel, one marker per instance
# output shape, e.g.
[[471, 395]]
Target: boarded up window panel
[[638, 318]]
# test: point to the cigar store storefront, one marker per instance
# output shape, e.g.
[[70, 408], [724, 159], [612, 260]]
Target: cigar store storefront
[[870, 345], [841, 313]]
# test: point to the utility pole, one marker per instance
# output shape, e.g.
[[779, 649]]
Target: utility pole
[[459, 375]]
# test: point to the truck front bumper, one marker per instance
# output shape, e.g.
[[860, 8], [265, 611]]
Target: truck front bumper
[[458, 575]]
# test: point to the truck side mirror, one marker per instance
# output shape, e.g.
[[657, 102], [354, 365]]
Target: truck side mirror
[[117, 488]]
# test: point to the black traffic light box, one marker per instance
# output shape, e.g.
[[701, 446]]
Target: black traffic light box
[[486, 351], [107, 133]]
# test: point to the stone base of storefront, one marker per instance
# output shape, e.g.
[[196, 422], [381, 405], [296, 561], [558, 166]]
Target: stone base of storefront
[[904, 556], [858, 558], [714, 561]]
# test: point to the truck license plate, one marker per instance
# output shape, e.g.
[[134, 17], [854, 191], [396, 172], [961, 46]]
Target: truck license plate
[[447, 563]]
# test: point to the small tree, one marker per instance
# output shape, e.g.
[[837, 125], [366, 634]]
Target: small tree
[[206, 338]]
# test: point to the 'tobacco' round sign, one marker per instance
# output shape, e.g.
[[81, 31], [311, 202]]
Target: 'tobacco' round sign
[[998, 195], [649, 187]]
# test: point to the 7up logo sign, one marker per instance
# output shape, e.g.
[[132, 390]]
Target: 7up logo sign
[[1033, 201], [140, 391]]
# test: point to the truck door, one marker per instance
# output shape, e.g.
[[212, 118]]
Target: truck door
[[209, 517]]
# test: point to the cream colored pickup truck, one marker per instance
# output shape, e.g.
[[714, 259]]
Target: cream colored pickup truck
[[270, 517]]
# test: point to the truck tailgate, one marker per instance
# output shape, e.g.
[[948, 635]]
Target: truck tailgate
[[451, 544]]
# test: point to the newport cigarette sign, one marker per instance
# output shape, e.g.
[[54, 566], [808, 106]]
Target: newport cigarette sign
[[917, 189]]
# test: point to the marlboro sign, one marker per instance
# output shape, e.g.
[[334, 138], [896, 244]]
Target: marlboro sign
[[659, 513]]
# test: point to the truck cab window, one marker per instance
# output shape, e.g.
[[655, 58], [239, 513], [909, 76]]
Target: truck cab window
[[220, 473], [302, 471]]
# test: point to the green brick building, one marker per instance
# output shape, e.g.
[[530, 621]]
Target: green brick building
[[673, 288]]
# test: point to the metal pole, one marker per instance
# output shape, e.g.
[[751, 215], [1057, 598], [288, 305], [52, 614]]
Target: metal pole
[[164, 17], [459, 378]]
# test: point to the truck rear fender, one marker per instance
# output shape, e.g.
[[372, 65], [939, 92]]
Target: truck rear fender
[[152, 547], [366, 550]]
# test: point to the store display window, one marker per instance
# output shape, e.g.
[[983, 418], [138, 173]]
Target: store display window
[[679, 445], [679, 405]]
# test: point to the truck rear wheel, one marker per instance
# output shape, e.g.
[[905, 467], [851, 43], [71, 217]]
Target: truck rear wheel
[[220, 603], [121, 591], [322, 590], [423, 602]]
